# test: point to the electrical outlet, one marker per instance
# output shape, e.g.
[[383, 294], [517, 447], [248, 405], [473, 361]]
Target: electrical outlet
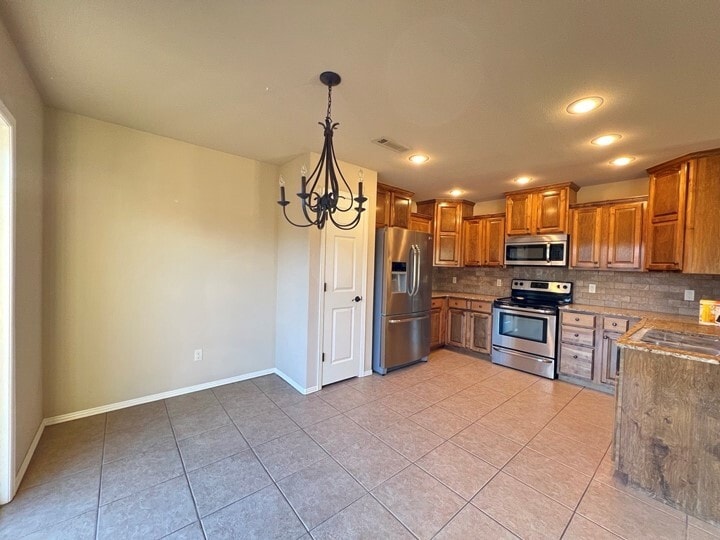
[[454, 279], [689, 295], [498, 282], [198, 355], [591, 288]]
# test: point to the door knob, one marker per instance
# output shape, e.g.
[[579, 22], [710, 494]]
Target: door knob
[[357, 299]]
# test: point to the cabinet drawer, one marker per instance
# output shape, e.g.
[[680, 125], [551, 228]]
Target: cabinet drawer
[[577, 361], [578, 336], [481, 306], [615, 324], [457, 303], [437, 303], [578, 319]]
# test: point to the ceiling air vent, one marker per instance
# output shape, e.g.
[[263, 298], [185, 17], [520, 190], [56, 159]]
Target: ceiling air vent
[[390, 144]]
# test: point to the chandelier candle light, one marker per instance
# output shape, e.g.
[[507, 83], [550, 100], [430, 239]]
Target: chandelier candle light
[[320, 205]]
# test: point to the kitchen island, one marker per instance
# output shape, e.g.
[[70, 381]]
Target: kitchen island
[[667, 428]]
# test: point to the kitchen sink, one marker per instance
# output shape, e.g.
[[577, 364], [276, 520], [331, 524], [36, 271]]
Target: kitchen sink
[[701, 343]]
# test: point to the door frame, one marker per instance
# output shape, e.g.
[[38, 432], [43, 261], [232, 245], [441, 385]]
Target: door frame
[[7, 344], [363, 305]]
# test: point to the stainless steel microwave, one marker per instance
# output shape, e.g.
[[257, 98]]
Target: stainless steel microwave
[[545, 250]]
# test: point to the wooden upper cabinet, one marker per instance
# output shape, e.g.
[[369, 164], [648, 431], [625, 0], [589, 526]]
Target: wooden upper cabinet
[[625, 235], [683, 228], [539, 211], [666, 217], [493, 240], [484, 240], [420, 222], [393, 206], [608, 235], [472, 241], [519, 213], [586, 237], [447, 228]]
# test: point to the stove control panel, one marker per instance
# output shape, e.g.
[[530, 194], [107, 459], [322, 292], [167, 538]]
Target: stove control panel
[[552, 287]]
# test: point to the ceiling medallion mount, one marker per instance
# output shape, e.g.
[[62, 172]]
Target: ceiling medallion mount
[[322, 199]]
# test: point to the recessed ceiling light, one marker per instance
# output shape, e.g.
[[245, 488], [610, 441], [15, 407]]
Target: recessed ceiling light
[[522, 180], [622, 161], [456, 192], [605, 140], [584, 105], [419, 158]]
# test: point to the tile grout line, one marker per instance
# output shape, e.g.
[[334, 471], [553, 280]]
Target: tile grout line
[[100, 482], [185, 474]]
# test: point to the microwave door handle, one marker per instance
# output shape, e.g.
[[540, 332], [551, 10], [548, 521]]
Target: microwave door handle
[[547, 252]]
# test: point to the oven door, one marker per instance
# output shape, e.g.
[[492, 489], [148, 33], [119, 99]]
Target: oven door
[[531, 331]]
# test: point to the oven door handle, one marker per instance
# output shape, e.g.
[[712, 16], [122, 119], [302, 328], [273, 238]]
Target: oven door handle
[[526, 311], [524, 355]]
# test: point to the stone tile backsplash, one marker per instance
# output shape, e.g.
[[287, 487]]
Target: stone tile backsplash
[[649, 291]]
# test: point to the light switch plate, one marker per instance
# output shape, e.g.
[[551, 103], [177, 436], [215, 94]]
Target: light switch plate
[[499, 282], [591, 288], [454, 279], [689, 295]]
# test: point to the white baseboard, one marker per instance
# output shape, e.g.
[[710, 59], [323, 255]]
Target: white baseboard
[[28, 456], [153, 397], [294, 384]]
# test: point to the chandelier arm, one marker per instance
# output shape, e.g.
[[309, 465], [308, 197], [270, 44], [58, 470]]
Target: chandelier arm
[[337, 166], [310, 206], [309, 224]]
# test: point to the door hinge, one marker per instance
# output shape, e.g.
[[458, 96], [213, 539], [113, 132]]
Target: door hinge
[[323, 357], [324, 287]]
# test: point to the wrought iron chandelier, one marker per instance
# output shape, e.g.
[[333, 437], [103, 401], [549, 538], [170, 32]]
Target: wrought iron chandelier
[[322, 196]]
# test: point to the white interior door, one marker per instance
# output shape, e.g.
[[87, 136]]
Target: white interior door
[[343, 343]]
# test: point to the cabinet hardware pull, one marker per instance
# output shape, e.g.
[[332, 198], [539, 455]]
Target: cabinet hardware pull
[[577, 335], [574, 355], [605, 337], [577, 319], [614, 324]]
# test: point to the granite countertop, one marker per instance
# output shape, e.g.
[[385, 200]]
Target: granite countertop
[[623, 312], [464, 295], [682, 325]]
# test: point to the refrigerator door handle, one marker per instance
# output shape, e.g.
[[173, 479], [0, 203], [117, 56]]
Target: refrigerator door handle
[[416, 275], [411, 277]]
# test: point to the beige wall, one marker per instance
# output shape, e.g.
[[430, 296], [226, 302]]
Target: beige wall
[[20, 97], [153, 248]]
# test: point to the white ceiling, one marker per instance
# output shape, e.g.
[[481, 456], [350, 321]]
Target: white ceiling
[[481, 86]]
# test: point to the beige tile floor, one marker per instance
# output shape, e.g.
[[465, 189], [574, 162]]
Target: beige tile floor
[[452, 448]]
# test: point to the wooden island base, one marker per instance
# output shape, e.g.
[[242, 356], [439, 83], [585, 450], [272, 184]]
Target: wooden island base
[[667, 437]]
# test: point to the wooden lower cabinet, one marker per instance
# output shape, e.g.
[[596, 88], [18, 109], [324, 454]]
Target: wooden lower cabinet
[[456, 327], [437, 323], [588, 347], [479, 332]]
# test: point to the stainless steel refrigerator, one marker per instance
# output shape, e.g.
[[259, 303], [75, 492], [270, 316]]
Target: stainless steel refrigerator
[[403, 294]]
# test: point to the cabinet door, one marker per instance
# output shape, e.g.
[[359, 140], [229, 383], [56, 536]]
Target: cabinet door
[[625, 228], [472, 242], [576, 361], [518, 213], [551, 211], [610, 358], [382, 210], [456, 328], [479, 332], [400, 211], [586, 238], [436, 339], [448, 223], [493, 244], [419, 222], [666, 216]]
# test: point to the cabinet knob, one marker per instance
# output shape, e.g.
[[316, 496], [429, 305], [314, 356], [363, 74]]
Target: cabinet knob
[[577, 319], [614, 324], [577, 335], [575, 356], [605, 337]]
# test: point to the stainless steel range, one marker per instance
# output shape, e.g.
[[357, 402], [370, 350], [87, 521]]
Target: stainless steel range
[[525, 325]]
